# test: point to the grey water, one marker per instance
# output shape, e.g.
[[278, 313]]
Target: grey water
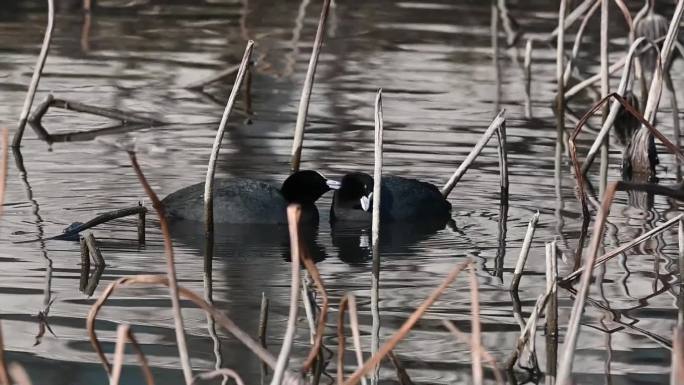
[[434, 61]]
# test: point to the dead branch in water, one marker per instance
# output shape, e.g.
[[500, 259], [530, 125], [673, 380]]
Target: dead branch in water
[[406, 327], [306, 90], [138, 210], [171, 272], [35, 79]]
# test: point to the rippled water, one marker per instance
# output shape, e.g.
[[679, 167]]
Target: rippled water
[[434, 62]]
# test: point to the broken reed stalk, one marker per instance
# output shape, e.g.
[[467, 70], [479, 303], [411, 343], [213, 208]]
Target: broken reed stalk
[[475, 335], [579, 176], [551, 313], [524, 251], [619, 250], [35, 79], [170, 273], [348, 302], [486, 356], [677, 374], [570, 343], [121, 336], [144, 364], [560, 94], [407, 326], [294, 213], [200, 84], [310, 266], [123, 116], [503, 160], [220, 317], [493, 127], [85, 264], [93, 250], [375, 234], [4, 160], [402, 374], [103, 218], [222, 372], [608, 122], [141, 224], [570, 19], [211, 167], [527, 65], [528, 330], [306, 90]]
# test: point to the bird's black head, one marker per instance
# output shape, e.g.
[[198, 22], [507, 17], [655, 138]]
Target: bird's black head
[[305, 187], [356, 191]]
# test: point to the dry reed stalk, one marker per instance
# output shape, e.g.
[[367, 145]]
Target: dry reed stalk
[[475, 335], [570, 19], [655, 89], [348, 302], [294, 213], [220, 317], [524, 252], [526, 336], [527, 65], [211, 167], [144, 364], [588, 82], [617, 251], [35, 79], [223, 372], [551, 313], [103, 218], [85, 264], [579, 177], [375, 232], [608, 122], [477, 149], [680, 300], [170, 272], [306, 89], [407, 326], [578, 41], [677, 374], [4, 376], [503, 160], [121, 337], [4, 160], [263, 325], [19, 374], [570, 343], [141, 224], [605, 89], [310, 266], [486, 356]]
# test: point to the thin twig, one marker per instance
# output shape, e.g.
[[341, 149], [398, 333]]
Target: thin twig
[[524, 252], [35, 79], [527, 65], [263, 325], [322, 317], [402, 374], [294, 213], [348, 302], [4, 160], [144, 364], [406, 327], [170, 272], [493, 127], [100, 219], [306, 89], [201, 83]]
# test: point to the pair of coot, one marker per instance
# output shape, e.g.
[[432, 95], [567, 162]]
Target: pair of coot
[[239, 200]]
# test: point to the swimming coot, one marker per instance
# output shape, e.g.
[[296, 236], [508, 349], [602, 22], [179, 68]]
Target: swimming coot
[[402, 200], [241, 200]]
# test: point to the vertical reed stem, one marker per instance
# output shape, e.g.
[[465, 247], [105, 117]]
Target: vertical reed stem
[[524, 251], [527, 64], [306, 90], [141, 226], [375, 282], [551, 313], [475, 337], [605, 89], [263, 325]]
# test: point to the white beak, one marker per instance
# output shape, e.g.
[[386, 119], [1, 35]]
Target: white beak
[[333, 184], [366, 202]]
